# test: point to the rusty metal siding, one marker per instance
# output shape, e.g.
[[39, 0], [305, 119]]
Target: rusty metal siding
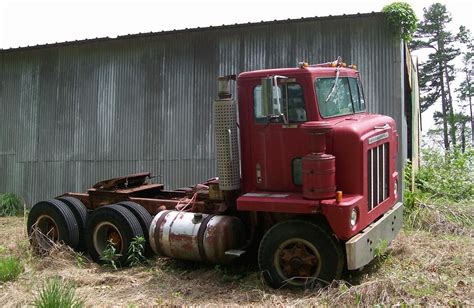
[[74, 114]]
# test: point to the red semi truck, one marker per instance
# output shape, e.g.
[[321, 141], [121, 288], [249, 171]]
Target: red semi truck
[[306, 177]]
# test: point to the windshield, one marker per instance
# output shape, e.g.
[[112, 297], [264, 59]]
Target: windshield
[[339, 96]]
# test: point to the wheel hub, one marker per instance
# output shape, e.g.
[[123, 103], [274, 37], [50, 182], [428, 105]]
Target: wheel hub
[[296, 263], [48, 227], [114, 238], [104, 234], [298, 259]]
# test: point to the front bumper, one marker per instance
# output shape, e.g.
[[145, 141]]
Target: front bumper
[[361, 249]]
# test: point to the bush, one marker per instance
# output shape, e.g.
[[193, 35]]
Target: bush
[[10, 205], [57, 293], [449, 176], [442, 196], [10, 268]]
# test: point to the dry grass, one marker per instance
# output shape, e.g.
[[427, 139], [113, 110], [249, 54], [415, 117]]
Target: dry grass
[[440, 217], [419, 268]]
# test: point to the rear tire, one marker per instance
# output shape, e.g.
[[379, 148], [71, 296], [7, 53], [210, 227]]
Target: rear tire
[[111, 222], [299, 254], [56, 221], [80, 213], [144, 218]]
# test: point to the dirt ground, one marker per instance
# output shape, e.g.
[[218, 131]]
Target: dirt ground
[[418, 268]]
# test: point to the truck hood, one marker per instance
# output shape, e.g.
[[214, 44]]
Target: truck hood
[[363, 125]]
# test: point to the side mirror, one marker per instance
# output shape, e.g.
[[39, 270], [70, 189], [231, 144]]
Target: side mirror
[[268, 96], [272, 99]]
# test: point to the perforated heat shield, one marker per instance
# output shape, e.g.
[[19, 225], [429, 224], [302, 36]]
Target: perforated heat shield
[[225, 126]]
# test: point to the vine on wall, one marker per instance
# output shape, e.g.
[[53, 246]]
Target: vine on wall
[[401, 19]]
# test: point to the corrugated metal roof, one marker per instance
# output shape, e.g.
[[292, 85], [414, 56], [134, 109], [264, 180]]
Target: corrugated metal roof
[[208, 28]]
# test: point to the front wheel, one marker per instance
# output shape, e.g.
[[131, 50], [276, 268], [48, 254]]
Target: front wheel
[[299, 254]]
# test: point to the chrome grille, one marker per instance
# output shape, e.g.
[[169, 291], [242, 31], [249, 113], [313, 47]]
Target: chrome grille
[[377, 175]]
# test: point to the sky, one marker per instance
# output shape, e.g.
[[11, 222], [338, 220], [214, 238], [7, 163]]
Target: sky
[[24, 23]]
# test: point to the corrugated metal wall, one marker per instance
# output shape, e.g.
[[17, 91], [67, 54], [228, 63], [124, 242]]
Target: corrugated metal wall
[[72, 115]]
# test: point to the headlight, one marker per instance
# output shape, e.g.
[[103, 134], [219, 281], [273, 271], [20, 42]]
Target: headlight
[[354, 217], [395, 188]]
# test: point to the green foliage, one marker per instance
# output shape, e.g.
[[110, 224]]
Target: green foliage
[[136, 251], [443, 193], [80, 259], [401, 18], [110, 255], [447, 176], [10, 205], [57, 293], [380, 250], [10, 268]]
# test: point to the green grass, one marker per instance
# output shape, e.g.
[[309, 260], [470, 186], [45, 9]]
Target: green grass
[[10, 205], [57, 293], [10, 268]]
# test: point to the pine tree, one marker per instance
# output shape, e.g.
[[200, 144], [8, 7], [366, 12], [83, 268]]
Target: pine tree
[[466, 88], [437, 73]]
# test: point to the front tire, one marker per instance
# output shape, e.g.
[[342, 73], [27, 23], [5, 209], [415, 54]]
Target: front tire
[[299, 254]]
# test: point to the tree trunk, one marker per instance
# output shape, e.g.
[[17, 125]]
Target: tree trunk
[[443, 110], [463, 136], [472, 122], [452, 121], [468, 82]]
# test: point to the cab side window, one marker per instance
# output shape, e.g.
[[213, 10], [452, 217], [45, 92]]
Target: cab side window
[[293, 104], [357, 98]]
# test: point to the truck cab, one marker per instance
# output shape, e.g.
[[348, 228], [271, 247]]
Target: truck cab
[[293, 122]]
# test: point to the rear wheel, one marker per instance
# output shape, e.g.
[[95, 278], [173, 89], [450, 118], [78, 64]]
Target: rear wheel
[[111, 225], [144, 218], [79, 211], [299, 254], [51, 222]]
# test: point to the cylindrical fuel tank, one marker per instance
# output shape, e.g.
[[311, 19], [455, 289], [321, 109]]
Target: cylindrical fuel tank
[[319, 176], [196, 236]]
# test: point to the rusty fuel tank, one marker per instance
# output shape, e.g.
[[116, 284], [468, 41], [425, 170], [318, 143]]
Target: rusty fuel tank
[[196, 236]]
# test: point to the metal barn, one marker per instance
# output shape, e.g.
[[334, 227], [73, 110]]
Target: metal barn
[[74, 113]]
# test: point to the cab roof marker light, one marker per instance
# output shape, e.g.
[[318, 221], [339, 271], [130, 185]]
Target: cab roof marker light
[[303, 64]]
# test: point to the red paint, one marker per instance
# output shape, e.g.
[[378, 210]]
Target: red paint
[[319, 176], [280, 202], [273, 146]]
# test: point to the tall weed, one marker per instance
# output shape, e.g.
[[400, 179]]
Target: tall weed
[[136, 251], [10, 205]]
